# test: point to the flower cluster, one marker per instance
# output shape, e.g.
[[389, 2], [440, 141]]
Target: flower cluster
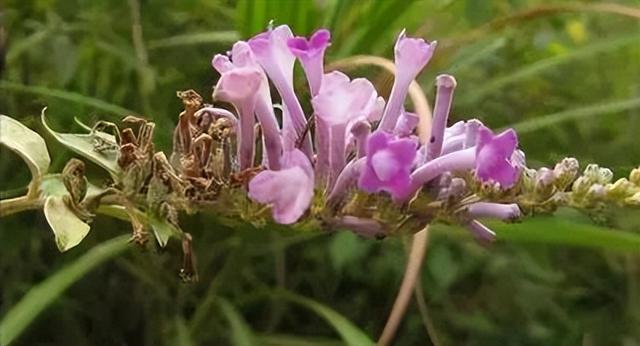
[[356, 143]]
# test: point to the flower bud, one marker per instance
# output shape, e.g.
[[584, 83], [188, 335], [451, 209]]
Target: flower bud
[[598, 174], [565, 172], [621, 189], [633, 200], [634, 176]]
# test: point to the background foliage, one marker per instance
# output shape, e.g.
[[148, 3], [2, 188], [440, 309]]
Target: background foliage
[[567, 75]]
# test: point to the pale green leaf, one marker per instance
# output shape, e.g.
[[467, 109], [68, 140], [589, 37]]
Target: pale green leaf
[[351, 334], [68, 229], [39, 297], [241, 334], [26, 143], [84, 144], [163, 230], [51, 185]]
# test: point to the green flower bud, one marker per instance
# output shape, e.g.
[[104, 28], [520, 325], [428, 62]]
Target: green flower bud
[[634, 176], [621, 189], [633, 200]]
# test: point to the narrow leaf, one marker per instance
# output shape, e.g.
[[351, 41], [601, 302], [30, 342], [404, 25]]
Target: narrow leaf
[[544, 121], [66, 95], [347, 330], [195, 39], [68, 229], [241, 333], [26, 143], [39, 297], [541, 66], [552, 230], [85, 145]]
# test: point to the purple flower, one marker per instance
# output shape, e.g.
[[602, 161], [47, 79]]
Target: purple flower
[[272, 53], [239, 85], [411, 56], [339, 103], [311, 55], [289, 191], [445, 85], [506, 212], [494, 157], [389, 162], [244, 84]]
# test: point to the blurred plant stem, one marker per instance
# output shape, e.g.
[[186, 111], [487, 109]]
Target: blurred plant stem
[[414, 264], [145, 77]]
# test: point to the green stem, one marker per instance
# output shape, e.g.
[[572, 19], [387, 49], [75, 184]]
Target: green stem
[[18, 204]]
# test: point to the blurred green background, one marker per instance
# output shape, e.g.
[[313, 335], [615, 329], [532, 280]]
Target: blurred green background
[[565, 74]]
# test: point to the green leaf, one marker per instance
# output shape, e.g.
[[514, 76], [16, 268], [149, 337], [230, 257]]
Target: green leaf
[[195, 39], [544, 121], [345, 248], [26, 143], [241, 333], [541, 66], [67, 96], [182, 337], [347, 330], [51, 185], [39, 297], [556, 231], [293, 340], [163, 230], [83, 144], [68, 229]]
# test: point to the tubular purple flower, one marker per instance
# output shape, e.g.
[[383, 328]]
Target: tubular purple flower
[[406, 124], [445, 85], [471, 132], [491, 158], [347, 178], [339, 102], [389, 163], [366, 228], [272, 53], [360, 131], [243, 58], [289, 191], [411, 56], [494, 155], [311, 55], [506, 212], [481, 232], [239, 86]]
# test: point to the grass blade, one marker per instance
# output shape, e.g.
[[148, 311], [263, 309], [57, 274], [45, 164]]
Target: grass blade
[[241, 333], [546, 64], [195, 39], [66, 95], [541, 122], [349, 333], [39, 297]]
